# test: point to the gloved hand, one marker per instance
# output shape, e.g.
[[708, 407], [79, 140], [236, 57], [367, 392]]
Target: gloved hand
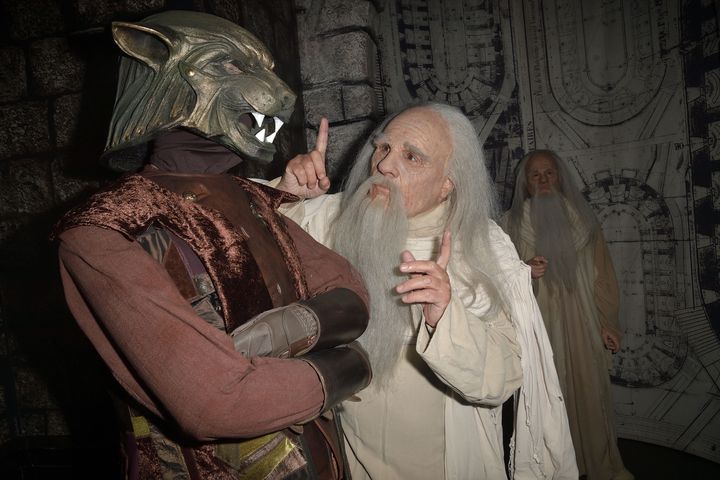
[[332, 318]]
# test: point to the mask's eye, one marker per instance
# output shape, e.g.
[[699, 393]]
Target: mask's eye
[[230, 66]]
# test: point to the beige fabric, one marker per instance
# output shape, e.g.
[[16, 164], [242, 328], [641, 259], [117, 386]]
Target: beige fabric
[[574, 321], [442, 418]]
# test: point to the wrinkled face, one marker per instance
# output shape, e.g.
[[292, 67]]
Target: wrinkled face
[[542, 175], [413, 152]]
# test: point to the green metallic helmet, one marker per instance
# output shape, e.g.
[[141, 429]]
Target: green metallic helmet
[[202, 73]]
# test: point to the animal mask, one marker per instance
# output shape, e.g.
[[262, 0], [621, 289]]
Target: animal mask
[[202, 73]]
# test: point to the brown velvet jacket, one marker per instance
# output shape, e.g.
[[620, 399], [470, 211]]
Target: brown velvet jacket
[[137, 311]]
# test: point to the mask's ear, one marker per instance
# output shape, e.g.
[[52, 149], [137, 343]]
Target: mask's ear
[[146, 44]]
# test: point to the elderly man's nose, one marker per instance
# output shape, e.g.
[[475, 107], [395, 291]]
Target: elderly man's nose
[[386, 165]]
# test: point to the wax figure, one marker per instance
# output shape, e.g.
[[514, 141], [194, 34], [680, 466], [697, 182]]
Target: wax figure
[[454, 328], [188, 282], [554, 228]]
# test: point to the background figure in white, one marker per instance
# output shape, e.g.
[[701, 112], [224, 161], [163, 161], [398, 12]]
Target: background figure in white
[[455, 328], [554, 228]]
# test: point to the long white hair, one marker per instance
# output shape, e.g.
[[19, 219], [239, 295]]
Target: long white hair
[[473, 201], [566, 188]]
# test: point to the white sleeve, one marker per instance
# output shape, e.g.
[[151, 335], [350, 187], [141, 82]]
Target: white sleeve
[[478, 357]]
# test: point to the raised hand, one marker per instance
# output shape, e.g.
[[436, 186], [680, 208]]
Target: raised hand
[[305, 174], [429, 283], [538, 265], [610, 340]]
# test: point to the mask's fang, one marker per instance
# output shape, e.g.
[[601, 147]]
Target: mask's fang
[[260, 135], [270, 138], [259, 118]]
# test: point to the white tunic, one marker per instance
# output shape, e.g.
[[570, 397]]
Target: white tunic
[[442, 416]]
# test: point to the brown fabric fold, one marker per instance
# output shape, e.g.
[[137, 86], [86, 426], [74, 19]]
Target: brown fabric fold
[[139, 201]]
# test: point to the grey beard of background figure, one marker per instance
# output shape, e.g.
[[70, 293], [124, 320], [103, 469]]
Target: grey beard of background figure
[[554, 235]]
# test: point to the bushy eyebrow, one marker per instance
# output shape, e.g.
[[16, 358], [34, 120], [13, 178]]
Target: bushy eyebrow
[[417, 152], [382, 138]]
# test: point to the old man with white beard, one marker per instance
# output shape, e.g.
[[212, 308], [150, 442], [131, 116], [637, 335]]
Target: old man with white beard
[[554, 228], [454, 329]]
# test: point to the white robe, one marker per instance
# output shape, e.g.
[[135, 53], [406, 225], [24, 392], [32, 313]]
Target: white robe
[[442, 417], [574, 321]]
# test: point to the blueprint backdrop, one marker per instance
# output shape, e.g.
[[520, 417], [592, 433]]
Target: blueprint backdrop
[[629, 93]]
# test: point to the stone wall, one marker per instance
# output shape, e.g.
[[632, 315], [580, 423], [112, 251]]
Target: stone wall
[[339, 57], [58, 68]]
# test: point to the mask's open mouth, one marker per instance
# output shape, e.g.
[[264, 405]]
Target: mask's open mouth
[[262, 127]]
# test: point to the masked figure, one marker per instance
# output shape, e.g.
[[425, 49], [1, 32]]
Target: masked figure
[[219, 318]]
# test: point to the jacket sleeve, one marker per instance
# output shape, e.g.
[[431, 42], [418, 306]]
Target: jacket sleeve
[[478, 357], [168, 358]]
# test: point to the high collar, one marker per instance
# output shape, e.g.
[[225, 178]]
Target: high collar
[[184, 152], [430, 223]]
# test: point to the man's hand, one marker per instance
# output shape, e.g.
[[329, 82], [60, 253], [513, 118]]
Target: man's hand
[[538, 265], [429, 282], [305, 174], [610, 340]]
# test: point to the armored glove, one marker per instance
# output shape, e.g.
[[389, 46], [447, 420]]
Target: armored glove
[[343, 371], [332, 318]]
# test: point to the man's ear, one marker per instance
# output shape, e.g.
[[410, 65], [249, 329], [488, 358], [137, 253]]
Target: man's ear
[[146, 44], [446, 189]]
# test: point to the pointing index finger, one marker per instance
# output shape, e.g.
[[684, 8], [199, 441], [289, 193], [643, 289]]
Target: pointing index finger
[[322, 138]]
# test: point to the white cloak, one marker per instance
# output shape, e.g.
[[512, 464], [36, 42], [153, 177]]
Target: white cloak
[[476, 356]]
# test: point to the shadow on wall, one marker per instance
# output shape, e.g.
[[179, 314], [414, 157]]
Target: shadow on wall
[[55, 413], [56, 416]]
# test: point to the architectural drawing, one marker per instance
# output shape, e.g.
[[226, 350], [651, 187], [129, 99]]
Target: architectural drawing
[[629, 94]]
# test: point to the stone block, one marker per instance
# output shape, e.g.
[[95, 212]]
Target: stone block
[[55, 67], [282, 10], [68, 186], [144, 6], [260, 24], [348, 57], [228, 9], [330, 15], [323, 102], [57, 424], [4, 350], [359, 101], [6, 433], [10, 229], [92, 13], [32, 424], [25, 186], [24, 129], [343, 145], [31, 390], [287, 62], [33, 18], [13, 82], [66, 111]]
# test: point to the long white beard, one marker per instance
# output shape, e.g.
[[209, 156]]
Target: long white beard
[[554, 238], [372, 235]]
